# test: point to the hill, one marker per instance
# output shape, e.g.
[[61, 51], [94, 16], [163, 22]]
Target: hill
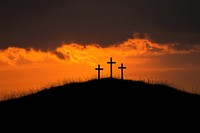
[[106, 105]]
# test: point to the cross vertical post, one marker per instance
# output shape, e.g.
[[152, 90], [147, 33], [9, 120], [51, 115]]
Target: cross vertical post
[[111, 62], [98, 69], [122, 67]]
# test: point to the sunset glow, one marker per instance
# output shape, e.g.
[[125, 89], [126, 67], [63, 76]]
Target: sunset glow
[[25, 70]]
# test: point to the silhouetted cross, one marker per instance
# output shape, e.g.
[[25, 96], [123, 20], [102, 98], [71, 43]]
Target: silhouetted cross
[[122, 70], [98, 69], [111, 62]]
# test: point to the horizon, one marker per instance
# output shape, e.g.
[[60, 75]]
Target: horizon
[[60, 84], [29, 91]]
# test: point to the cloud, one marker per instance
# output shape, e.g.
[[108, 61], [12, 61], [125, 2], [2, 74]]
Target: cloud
[[15, 55], [79, 53], [89, 54], [45, 24]]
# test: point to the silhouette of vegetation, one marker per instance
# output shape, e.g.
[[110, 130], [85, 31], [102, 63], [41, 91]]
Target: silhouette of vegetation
[[105, 105]]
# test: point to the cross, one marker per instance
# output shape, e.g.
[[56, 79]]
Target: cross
[[122, 70], [99, 69], [111, 62]]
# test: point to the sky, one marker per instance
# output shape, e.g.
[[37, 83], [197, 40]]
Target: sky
[[49, 42]]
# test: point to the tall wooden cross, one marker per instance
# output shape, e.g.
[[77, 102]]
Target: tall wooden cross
[[111, 62], [98, 69], [122, 67]]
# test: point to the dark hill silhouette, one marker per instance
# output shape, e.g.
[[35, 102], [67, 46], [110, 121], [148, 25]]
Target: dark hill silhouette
[[106, 105]]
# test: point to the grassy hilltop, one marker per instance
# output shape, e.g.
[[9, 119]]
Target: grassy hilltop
[[106, 105]]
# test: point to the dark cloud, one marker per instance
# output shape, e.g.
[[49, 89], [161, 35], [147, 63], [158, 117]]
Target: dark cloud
[[45, 24]]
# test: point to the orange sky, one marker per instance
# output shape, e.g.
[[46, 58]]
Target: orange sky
[[26, 70]]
